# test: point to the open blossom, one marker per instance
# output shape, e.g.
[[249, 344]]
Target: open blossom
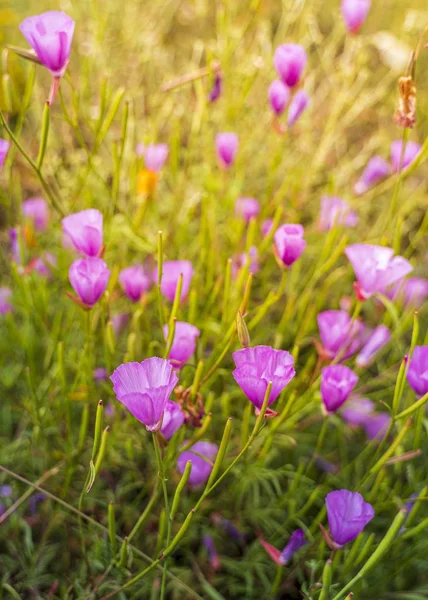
[[37, 210], [5, 296], [339, 333], [289, 243], [173, 419], [299, 103], [144, 389], [134, 282], [335, 211], [257, 366], [85, 229], [50, 35], [89, 278], [247, 208], [4, 148], [376, 268], [202, 456], [226, 148], [417, 375], [347, 514], [378, 338], [155, 156], [337, 383], [171, 271], [279, 95], [411, 151], [289, 61], [376, 169], [354, 13], [184, 343]]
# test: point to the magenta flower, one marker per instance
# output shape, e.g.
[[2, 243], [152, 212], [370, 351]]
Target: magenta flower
[[266, 227], [37, 210], [184, 343], [376, 169], [379, 337], [202, 456], [5, 296], [119, 322], [376, 268], [354, 13], [339, 335], [85, 229], [4, 149], [144, 389], [296, 541], [376, 425], [50, 35], [252, 255], [257, 366], [173, 419], [42, 264], [347, 514], [298, 105], [217, 87], [279, 95], [89, 278], [100, 374], [289, 243], [417, 375], [415, 291], [226, 148], [289, 61], [357, 410], [335, 211], [337, 383], [155, 156], [134, 282], [247, 208], [171, 271], [411, 151]]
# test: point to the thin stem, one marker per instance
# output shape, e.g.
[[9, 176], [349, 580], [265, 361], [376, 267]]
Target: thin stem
[[166, 501]]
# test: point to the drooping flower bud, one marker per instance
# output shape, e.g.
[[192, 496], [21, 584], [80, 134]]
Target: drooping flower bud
[[279, 95]]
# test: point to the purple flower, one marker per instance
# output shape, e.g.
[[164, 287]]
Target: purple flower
[[155, 156], [376, 169], [202, 456], [289, 243], [173, 419], [266, 227], [357, 410], [85, 229], [378, 338], [50, 35], [171, 271], [296, 541], [337, 383], [289, 61], [42, 264], [36, 209], [335, 211], [6, 491], [376, 268], [211, 551], [279, 95], [4, 148], [5, 305], [354, 13], [100, 374], [89, 278], [119, 322], [144, 389], [242, 259], [347, 514], [298, 105], [376, 425], [134, 282], [417, 375], [338, 333], [226, 148], [257, 366], [415, 291], [34, 501], [217, 87], [184, 343], [228, 526], [14, 245], [247, 208], [411, 151]]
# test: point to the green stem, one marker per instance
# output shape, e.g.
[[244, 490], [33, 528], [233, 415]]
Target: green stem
[[166, 501]]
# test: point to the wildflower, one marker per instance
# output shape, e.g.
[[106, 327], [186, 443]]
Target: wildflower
[[411, 151], [42, 264], [354, 13], [289, 61], [155, 156], [212, 552], [89, 278], [4, 148], [266, 227], [100, 374], [247, 208], [202, 454], [217, 87], [298, 105], [417, 375], [36, 210], [357, 410], [337, 383], [35, 499], [257, 366], [144, 389], [252, 256], [279, 95], [378, 338], [85, 229], [6, 491], [347, 514], [296, 541], [412, 291], [184, 343], [226, 147], [376, 425], [376, 169], [173, 419], [5, 296], [134, 282], [171, 271], [339, 334], [228, 526], [289, 243], [119, 321], [335, 211], [376, 268]]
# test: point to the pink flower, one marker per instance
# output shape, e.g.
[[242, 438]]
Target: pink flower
[[184, 343], [339, 334], [226, 147], [89, 278], [279, 95], [171, 271], [298, 105], [242, 259], [337, 383], [5, 296], [266, 227], [202, 454], [377, 340], [134, 282], [155, 156], [335, 211], [348, 514], [42, 264], [85, 229], [37, 210], [354, 13], [377, 169], [289, 243], [411, 151], [173, 419], [247, 208], [289, 61]]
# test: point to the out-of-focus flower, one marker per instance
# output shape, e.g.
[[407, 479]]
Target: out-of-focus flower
[[171, 271], [266, 227], [411, 151], [34, 501], [119, 322], [296, 541], [42, 264], [357, 410], [279, 95], [5, 296], [6, 491], [217, 87], [228, 526], [50, 35], [299, 103], [417, 375], [242, 259], [339, 333], [173, 419], [144, 389], [337, 383], [289, 243], [85, 229], [376, 268], [89, 278], [14, 245], [354, 13], [247, 208], [100, 374], [155, 156], [134, 282], [202, 456], [376, 425], [347, 514], [226, 148], [37, 210], [412, 291], [4, 149], [289, 61], [212, 552], [184, 343], [378, 338], [335, 211], [376, 169], [257, 366]]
